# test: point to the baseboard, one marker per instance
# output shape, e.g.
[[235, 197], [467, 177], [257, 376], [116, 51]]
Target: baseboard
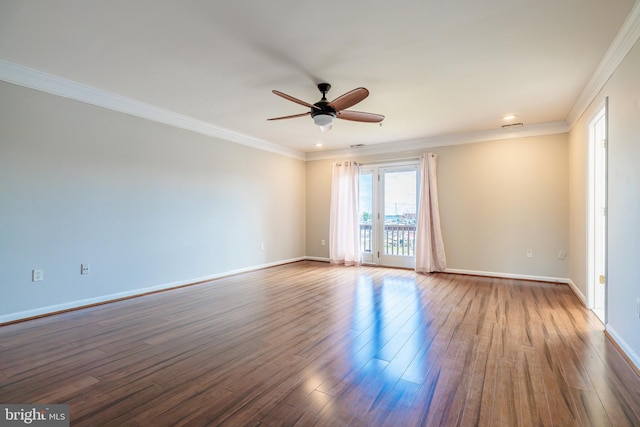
[[495, 274], [569, 282], [624, 349], [316, 258], [508, 275], [577, 292], [76, 305]]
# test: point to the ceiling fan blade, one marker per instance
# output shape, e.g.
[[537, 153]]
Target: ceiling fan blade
[[349, 99], [292, 99], [359, 116], [291, 117]]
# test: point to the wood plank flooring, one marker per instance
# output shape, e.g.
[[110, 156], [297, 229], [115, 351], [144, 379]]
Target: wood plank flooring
[[309, 344]]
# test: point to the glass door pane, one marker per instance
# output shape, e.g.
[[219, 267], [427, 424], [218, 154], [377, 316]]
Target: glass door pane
[[366, 214]]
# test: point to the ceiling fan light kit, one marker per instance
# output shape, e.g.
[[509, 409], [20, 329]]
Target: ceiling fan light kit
[[323, 121], [324, 112]]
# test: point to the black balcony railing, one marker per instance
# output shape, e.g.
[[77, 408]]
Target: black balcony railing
[[397, 239]]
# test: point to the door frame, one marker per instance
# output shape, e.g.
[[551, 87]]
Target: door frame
[[597, 172], [376, 257]]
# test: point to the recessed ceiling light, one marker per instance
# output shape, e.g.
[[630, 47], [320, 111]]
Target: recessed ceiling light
[[509, 117], [319, 144]]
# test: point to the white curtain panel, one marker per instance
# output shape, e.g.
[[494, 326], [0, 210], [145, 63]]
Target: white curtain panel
[[344, 229], [430, 256]]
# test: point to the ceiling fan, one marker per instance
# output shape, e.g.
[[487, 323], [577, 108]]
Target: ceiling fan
[[324, 112]]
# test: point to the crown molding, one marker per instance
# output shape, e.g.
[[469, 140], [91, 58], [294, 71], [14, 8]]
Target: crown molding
[[624, 41], [55, 85], [550, 128]]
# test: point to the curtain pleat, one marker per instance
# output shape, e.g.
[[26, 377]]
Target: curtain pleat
[[344, 228], [430, 256]]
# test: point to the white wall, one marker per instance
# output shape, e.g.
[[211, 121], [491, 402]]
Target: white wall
[[623, 222], [147, 205], [497, 200], [623, 189]]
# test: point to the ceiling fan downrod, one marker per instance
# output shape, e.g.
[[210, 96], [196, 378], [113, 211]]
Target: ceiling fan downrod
[[324, 88]]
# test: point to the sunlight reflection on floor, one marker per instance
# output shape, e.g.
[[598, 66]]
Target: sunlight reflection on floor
[[387, 329]]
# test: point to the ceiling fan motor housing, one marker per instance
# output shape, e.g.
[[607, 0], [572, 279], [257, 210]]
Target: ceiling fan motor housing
[[323, 105], [323, 108]]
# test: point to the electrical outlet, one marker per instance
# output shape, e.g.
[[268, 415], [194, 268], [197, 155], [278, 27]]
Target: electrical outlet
[[85, 269], [262, 246], [562, 255], [37, 275], [529, 253], [322, 242]]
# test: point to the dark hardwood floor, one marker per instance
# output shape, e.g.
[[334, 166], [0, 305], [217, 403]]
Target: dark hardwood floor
[[312, 344]]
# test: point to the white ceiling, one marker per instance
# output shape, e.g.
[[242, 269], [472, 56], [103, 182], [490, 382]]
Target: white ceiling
[[434, 68]]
